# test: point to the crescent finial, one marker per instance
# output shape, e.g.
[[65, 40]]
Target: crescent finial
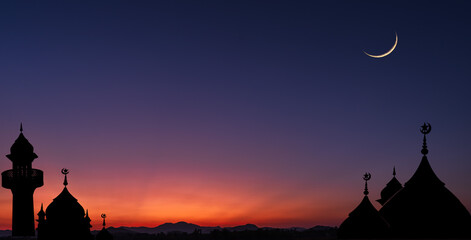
[[65, 171], [366, 177], [426, 128], [103, 216]]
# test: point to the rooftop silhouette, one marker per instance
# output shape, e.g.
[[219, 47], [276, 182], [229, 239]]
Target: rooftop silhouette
[[364, 221], [423, 208], [391, 188], [64, 218], [104, 234]]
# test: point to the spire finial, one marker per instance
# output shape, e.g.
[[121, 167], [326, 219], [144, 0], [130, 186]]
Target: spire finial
[[21, 127], [41, 214], [103, 216], [65, 171], [394, 171], [425, 129], [87, 218], [366, 177]]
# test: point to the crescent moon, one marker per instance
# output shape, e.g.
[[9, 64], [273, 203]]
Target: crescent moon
[[384, 54]]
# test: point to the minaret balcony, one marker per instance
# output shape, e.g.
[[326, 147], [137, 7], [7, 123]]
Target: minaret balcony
[[21, 177]]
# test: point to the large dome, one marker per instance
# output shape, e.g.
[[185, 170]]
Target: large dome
[[65, 218], [65, 208], [424, 207]]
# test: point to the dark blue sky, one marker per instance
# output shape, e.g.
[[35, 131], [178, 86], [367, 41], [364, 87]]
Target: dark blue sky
[[280, 90]]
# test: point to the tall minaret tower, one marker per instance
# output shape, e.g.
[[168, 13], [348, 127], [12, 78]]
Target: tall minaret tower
[[22, 180]]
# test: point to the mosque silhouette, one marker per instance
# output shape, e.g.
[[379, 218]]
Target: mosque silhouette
[[63, 219], [423, 208]]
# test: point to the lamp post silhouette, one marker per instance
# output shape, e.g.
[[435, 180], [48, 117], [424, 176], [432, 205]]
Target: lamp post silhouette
[[22, 180]]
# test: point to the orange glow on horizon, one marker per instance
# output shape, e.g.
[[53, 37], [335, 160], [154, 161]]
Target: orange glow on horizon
[[216, 204]]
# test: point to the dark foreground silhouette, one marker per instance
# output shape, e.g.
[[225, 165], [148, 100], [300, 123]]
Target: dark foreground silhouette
[[225, 234], [423, 209], [22, 180], [260, 234], [183, 230]]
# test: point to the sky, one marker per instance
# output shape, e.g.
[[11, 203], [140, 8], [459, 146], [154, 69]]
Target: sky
[[222, 113]]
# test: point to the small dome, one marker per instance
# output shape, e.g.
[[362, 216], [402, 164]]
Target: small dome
[[22, 149], [392, 187], [65, 207], [364, 222], [104, 235]]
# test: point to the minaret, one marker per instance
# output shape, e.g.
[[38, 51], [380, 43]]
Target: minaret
[[22, 180]]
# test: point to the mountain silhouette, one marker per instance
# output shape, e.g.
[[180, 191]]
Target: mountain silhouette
[[172, 227], [319, 228], [246, 227], [243, 232], [5, 233], [184, 227]]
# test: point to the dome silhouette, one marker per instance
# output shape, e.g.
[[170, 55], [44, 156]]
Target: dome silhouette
[[104, 234], [64, 218], [391, 188], [22, 149], [64, 207], [364, 221], [424, 207]]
